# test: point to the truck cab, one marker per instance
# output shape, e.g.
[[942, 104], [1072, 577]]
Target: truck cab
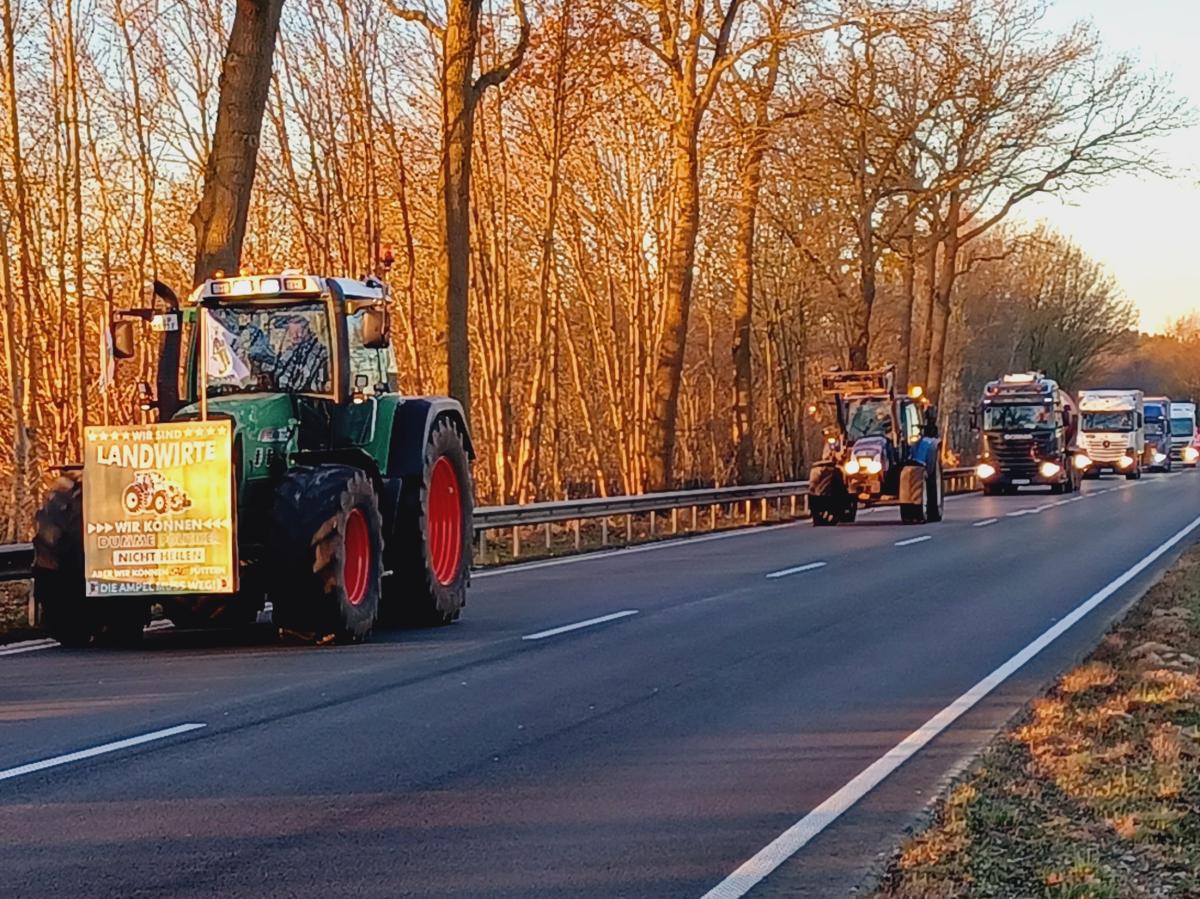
[[1183, 432], [1112, 433], [1027, 426], [1158, 433]]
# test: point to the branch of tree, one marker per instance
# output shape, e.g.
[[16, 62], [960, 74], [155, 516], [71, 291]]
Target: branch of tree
[[497, 75]]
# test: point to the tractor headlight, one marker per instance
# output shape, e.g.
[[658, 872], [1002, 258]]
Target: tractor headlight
[[1082, 461], [871, 466], [1049, 469], [1190, 454], [984, 471], [1124, 462], [851, 466]]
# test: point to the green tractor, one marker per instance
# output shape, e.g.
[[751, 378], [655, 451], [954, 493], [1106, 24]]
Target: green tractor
[[347, 505]]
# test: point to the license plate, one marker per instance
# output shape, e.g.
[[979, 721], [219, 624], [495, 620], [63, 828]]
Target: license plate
[[1020, 481]]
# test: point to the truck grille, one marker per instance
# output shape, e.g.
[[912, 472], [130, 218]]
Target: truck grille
[[1018, 458], [1098, 452]]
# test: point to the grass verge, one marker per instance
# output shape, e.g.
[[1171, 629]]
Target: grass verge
[[1095, 792]]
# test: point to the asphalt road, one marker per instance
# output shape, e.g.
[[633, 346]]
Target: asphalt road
[[651, 753]]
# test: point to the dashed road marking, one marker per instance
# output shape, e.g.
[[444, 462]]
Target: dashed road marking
[[555, 631], [911, 540], [82, 754], [811, 566], [985, 522]]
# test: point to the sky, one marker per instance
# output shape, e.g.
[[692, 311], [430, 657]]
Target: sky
[[1142, 228]]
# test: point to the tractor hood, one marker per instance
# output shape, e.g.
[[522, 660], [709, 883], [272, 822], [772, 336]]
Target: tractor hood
[[251, 413], [263, 427], [874, 447]]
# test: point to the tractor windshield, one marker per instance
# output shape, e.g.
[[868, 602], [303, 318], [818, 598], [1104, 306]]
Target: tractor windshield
[[868, 417], [1017, 417], [269, 349]]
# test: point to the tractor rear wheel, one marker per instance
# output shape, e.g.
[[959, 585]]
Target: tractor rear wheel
[[66, 613], [328, 553], [430, 549], [935, 493]]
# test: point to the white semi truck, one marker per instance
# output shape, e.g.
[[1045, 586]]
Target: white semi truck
[[1183, 433], [1112, 433]]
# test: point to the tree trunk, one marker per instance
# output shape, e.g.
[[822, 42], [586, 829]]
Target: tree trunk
[[908, 278], [743, 299], [860, 335], [941, 300], [458, 127], [924, 324], [677, 301], [220, 217]]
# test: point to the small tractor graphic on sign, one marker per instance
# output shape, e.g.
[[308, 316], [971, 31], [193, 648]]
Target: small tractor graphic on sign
[[151, 492]]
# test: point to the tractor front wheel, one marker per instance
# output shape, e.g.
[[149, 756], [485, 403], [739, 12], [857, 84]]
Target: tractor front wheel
[[328, 555], [430, 548]]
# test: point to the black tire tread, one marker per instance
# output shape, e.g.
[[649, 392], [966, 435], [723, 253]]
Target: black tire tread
[[413, 595], [307, 577]]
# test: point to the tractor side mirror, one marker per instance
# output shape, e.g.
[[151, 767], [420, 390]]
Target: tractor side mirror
[[122, 339], [376, 328], [931, 422]]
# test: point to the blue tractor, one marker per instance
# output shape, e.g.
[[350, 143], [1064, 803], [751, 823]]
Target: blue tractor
[[883, 450]]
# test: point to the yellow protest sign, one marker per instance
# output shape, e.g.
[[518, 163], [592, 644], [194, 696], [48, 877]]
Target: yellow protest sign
[[158, 509]]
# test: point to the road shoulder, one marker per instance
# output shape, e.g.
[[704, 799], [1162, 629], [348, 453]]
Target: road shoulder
[[1093, 791]]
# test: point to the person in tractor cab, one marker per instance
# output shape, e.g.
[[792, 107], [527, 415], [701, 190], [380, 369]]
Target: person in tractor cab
[[303, 362]]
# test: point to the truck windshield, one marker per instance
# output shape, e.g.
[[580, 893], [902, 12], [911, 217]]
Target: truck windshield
[[1018, 418], [1154, 427], [1107, 421], [1183, 426], [269, 349], [868, 417]]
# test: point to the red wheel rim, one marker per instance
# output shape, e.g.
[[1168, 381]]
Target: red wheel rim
[[445, 522], [358, 556]]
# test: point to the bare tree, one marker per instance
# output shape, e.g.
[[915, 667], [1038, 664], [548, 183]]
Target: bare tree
[[220, 217], [460, 93]]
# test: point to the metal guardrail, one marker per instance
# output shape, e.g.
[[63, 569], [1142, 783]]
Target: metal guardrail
[[16, 560], [516, 517]]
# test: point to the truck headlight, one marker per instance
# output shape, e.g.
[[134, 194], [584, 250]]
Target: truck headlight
[[851, 466], [1124, 462], [1082, 461], [1049, 469], [984, 471], [1159, 458], [1190, 454]]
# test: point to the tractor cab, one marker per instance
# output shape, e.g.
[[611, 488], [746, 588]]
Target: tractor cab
[[881, 450]]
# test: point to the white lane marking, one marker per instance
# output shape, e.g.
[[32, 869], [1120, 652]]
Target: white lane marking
[[555, 631], [1019, 512], [985, 522], [799, 834], [10, 773], [12, 649], [811, 566], [910, 541]]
